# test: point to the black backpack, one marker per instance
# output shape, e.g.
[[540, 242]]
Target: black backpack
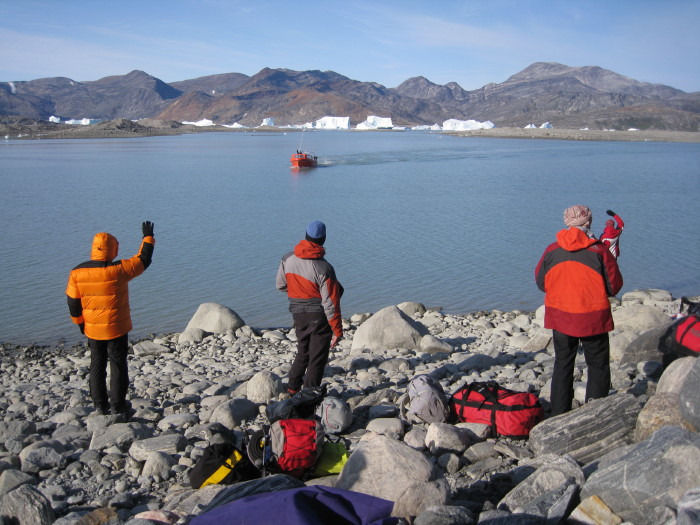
[[222, 464]]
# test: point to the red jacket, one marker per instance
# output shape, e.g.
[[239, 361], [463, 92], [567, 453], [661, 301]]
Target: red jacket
[[611, 236], [310, 283], [578, 274]]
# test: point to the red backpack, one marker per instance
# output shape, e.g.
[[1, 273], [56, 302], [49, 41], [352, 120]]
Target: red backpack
[[684, 335], [295, 445], [510, 414]]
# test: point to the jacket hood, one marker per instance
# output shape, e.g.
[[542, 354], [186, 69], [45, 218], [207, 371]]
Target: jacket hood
[[573, 239], [309, 250], [105, 247]]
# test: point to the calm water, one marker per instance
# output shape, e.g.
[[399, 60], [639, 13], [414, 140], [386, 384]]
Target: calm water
[[450, 222]]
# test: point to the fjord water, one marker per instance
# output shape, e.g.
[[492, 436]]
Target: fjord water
[[457, 223]]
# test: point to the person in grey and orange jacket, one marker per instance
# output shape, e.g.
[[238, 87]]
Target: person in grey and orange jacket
[[314, 301], [98, 301], [578, 273]]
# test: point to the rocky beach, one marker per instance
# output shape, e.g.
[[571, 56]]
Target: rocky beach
[[632, 457]]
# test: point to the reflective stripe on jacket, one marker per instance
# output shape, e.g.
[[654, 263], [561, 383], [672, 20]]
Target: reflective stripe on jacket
[[311, 284], [98, 292], [578, 274]]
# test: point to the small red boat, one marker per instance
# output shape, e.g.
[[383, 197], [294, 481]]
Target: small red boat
[[302, 159]]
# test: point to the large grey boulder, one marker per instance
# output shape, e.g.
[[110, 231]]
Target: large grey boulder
[[12, 478], [646, 347], [589, 431], [167, 443], [231, 413], [639, 318], [690, 396], [16, 429], [121, 435], [445, 515], [661, 410], [263, 387], [673, 378], [443, 437], [552, 476], [27, 505], [392, 470], [649, 476], [389, 328], [158, 464], [215, 319], [145, 348], [411, 309]]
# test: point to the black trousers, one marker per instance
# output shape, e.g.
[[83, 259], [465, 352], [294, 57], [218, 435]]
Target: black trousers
[[314, 336], [596, 350], [114, 351]]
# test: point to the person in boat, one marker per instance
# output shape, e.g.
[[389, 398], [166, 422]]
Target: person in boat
[[314, 300], [578, 273], [612, 232], [98, 302]]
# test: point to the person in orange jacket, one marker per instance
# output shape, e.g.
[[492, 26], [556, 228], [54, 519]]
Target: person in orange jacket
[[98, 301], [612, 232], [314, 300], [578, 274]]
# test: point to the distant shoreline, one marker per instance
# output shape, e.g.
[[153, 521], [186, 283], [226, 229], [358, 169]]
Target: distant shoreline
[[588, 134], [28, 129]]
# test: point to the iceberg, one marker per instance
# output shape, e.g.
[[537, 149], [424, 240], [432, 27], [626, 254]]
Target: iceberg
[[333, 123], [235, 125], [54, 119], [373, 122], [465, 125], [546, 125], [434, 127], [83, 122], [268, 122], [201, 123], [530, 126]]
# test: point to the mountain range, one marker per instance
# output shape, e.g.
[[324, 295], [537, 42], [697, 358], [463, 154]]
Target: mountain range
[[567, 97]]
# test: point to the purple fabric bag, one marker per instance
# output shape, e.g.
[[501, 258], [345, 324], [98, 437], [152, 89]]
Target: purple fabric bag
[[314, 505]]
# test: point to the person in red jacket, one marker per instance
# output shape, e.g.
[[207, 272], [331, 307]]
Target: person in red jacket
[[98, 301], [314, 301], [577, 273], [612, 232]]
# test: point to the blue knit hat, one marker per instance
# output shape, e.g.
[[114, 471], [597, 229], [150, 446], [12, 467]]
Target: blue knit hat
[[316, 230]]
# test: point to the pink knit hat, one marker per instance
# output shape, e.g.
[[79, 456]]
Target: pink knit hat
[[578, 215]]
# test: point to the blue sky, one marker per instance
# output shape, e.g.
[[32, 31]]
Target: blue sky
[[469, 42]]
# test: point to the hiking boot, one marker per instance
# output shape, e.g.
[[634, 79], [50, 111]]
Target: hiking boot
[[122, 408], [102, 411]]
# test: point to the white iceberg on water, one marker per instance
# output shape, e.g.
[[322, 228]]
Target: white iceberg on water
[[202, 123], [268, 122], [333, 123], [373, 122], [546, 125], [465, 125]]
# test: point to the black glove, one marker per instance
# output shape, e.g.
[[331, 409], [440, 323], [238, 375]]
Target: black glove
[[147, 228], [611, 213], [82, 328]]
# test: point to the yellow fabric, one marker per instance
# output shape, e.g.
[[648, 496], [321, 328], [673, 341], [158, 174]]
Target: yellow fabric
[[224, 470], [333, 458]]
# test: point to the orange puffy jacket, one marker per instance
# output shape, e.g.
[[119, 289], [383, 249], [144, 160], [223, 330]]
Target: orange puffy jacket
[[98, 290]]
